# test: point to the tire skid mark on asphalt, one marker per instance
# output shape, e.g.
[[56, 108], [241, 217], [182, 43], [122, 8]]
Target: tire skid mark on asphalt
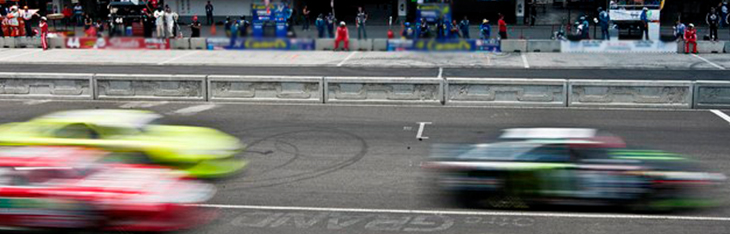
[[248, 183], [193, 109]]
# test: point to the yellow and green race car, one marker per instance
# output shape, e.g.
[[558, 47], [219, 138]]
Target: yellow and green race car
[[136, 136]]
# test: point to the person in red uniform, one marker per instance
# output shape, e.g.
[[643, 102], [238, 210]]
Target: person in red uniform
[[502, 27], [342, 35], [690, 37], [44, 32]]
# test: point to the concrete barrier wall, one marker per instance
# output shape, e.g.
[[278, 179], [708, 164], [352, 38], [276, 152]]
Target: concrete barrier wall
[[56, 43], [544, 46], [46, 85], [711, 94], [506, 92], [8, 42], [704, 47], [150, 87], [514, 45], [380, 44], [180, 44], [198, 44], [265, 89], [370, 90], [355, 45], [26, 42], [630, 94], [2, 42]]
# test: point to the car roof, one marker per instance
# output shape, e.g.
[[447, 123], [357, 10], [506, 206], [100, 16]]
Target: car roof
[[548, 133], [46, 156], [103, 117]]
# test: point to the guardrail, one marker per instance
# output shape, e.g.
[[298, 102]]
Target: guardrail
[[510, 46], [370, 90]]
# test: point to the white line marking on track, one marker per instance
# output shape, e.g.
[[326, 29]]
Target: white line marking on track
[[721, 115], [441, 73], [421, 126], [21, 54], [194, 109], [524, 60], [471, 213], [708, 62], [178, 57], [346, 58]]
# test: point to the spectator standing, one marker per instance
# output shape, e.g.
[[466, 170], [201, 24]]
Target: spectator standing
[[13, 23], [27, 17], [147, 21], [227, 26], [586, 28], [502, 27], [464, 26], [425, 30], [485, 30], [361, 18], [160, 22], [454, 32], [67, 15], [331, 25], [604, 20], [679, 29], [234, 32], [88, 23], [407, 32], [209, 13], [724, 11], [342, 36], [713, 20], [305, 14], [44, 32], [320, 24], [645, 23], [169, 22], [243, 26], [690, 37], [78, 14], [533, 13], [195, 27]]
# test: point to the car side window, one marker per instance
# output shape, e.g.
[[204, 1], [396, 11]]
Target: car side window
[[547, 153], [76, 131]]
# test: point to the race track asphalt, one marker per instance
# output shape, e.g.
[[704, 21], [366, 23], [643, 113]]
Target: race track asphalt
[[355, 169]]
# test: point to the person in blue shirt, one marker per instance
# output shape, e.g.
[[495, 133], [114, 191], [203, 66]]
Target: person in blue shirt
[[330, 21], [407, 31], [485, 30], [586, 27], [604, 20], [320, 24], [679, 30], [645, 23], [464, 26]]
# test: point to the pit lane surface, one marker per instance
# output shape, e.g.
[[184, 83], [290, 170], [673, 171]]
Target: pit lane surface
[[340, 169]]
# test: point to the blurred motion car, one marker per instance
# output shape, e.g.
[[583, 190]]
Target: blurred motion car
[[528, 167], [53, 188], [202, 152]]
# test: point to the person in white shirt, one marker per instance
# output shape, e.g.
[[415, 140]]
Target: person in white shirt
[[170, 21], [27, 17], [160, 22], [13, 21]]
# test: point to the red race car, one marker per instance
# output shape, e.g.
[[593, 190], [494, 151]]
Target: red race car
[[71, 188]]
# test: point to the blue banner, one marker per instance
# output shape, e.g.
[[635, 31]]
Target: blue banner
[[260, 44], [444, 45]]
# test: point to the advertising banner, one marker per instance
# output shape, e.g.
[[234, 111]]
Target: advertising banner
[[597, 46], [444, 45], [633, 15], [117, 43], [261, 44]]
